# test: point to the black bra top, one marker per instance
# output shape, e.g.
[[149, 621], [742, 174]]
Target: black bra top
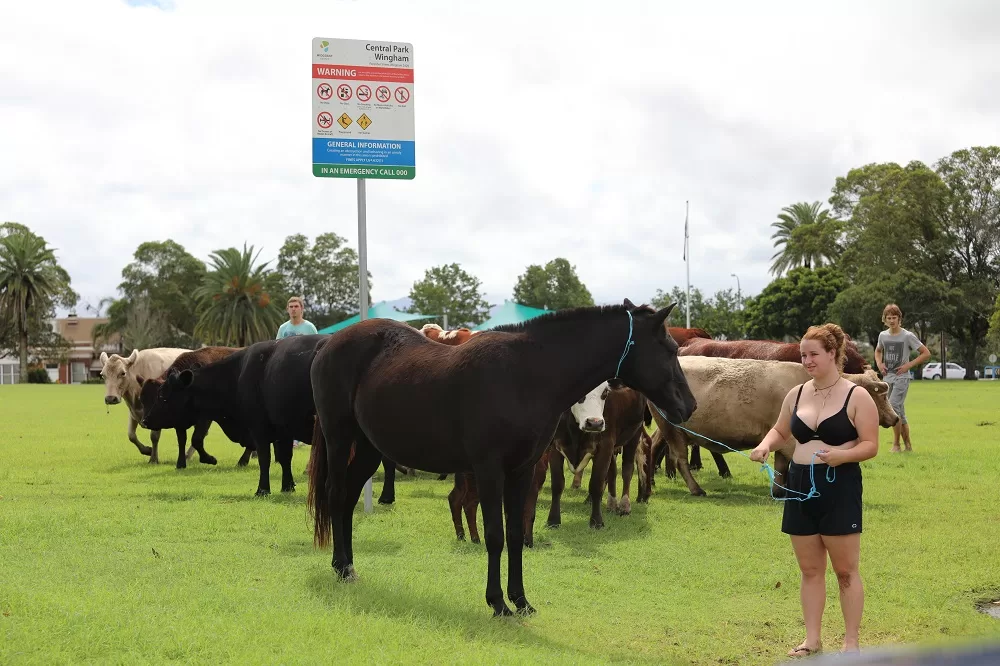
[[833, 430]]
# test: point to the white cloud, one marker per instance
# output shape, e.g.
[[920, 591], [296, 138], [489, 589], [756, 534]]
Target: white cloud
[[543, 129]]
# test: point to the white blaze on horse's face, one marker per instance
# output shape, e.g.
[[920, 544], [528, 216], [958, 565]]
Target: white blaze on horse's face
[[115, 374], [589, 411]]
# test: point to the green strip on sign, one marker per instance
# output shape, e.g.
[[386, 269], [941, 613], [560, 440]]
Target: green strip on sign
[[342, 171]]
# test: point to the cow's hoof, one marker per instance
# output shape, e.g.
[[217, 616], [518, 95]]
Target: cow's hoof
[[208, 460], [263, 492]]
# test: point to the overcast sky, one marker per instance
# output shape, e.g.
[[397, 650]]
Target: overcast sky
[[539, 132]]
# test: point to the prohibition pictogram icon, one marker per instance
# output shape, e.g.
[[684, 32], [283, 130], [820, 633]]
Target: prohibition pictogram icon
[[402, 95], [382, 94], [325, 91], [324, 120], [344, 92], [364, 93]]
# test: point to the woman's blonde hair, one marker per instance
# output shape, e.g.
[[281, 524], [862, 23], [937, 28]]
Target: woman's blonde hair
[[832, 338]]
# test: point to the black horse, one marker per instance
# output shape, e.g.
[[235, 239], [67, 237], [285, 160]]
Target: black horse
[[489, 406]]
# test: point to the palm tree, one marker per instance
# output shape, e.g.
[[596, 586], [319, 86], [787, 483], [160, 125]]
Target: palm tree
[[807, 236], [235, 300], [31, 281]]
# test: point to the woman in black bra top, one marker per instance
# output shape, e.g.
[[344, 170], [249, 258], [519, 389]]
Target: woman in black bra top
[[832, 445]]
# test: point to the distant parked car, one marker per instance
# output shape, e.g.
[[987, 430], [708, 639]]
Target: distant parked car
[[955, 371]]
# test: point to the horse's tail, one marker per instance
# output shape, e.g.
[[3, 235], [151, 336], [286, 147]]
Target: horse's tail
[[319, 496], [647, 416]]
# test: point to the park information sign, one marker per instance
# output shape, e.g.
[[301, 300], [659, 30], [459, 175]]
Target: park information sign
[[362, 110]]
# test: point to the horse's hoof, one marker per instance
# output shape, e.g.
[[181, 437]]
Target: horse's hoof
[[699, 493], [263, 492], [386, 500], [474, 539], [145, 450], [181, 464], [154, 461], [596, 525], [501, 610], [624, 507], [288, 489], [346, 574], [208, 460], [524, 608], [553, 526]]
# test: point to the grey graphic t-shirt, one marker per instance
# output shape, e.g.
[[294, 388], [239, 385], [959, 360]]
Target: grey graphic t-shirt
[[896, 349]]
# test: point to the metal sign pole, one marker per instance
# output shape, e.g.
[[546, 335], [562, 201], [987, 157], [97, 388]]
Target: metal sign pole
[[363, 291]]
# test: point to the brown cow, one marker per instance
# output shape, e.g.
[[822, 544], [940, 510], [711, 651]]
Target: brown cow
[[682, 335], [149, 386], [738, 402]]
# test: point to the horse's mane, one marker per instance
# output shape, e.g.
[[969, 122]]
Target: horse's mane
[[588, 313]]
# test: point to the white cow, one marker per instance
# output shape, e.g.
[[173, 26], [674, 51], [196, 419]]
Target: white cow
[[120, 384]]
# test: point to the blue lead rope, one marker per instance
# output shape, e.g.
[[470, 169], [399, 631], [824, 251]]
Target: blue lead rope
[[813, 492]]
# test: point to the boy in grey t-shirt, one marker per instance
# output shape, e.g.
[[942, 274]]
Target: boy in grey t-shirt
[[892, 355]]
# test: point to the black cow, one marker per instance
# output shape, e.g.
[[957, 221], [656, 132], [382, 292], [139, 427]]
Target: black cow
[[258, 395]]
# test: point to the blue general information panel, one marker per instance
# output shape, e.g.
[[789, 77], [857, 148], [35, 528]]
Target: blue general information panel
[[368, 152]]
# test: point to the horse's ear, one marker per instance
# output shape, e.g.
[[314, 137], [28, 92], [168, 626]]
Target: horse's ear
[[661, 315], [629, 305]]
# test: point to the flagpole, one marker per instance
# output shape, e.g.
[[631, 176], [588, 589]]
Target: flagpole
[[687, 261]]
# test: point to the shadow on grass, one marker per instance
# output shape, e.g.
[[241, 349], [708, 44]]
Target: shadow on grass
[[436, 611]]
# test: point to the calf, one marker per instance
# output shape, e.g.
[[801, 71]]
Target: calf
[[738, 402], [120, 385], [191, 360], [259, 395], [608, 420]]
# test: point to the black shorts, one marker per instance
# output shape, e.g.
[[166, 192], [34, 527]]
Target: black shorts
[[837, 510]]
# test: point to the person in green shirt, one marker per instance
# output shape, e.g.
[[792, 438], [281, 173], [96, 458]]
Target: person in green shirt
[[295, 325]]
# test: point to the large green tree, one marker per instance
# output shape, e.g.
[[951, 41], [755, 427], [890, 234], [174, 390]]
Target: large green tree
[[157, 292], [791, 304], [324, 274], [720, 315], [806, 235], [235, 303], [554, 286], [450, 290], [32, 283], [927, 303], [942, 222]]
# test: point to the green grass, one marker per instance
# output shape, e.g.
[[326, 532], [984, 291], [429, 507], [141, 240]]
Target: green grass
[[104, 558]]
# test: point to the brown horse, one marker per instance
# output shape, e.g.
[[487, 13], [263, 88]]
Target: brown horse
[[489, 406]]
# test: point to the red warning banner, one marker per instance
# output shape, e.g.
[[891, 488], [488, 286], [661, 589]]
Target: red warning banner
[[347, 72]]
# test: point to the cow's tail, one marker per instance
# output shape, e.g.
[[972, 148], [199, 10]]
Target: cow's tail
[[318, 500]]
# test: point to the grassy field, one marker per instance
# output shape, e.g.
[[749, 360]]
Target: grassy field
[[104, 558]]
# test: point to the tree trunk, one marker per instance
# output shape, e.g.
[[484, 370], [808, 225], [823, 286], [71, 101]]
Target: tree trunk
[[24, 355], [944, 356]]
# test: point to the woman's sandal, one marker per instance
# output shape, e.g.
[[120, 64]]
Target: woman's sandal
[[803, 651]]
